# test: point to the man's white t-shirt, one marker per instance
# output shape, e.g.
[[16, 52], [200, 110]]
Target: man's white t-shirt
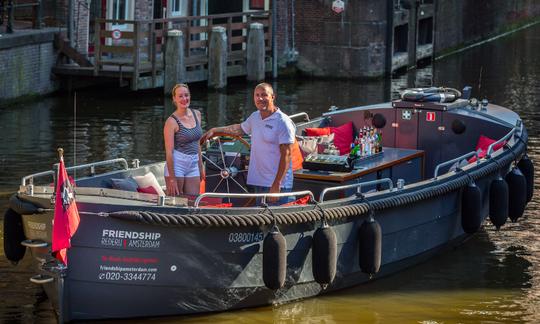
[[266, 136]]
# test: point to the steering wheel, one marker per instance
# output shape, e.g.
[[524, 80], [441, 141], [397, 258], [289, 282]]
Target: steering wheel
[[227, 173]]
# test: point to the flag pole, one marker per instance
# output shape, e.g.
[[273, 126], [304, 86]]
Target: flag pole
[[75, 133], [60, 152]]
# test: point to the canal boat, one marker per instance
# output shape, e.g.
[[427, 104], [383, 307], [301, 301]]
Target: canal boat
[[447, 163]]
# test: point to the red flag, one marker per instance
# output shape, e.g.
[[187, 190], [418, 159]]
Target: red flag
[[66, 215]]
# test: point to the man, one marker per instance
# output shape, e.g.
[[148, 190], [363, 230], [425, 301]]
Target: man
[[272, 138]]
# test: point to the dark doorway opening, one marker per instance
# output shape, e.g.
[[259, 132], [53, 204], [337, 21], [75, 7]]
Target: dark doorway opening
[[425, 31], [216, 7], [219, 6], [401, 38]]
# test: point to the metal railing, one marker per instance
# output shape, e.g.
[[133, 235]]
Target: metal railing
[[91, 166], [252, 195], [492, 145], [358, 187], [459, 158], [300, 114]]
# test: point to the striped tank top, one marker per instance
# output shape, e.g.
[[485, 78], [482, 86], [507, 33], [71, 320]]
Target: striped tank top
[[186, 140]]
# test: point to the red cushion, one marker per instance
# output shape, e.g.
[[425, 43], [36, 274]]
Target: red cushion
[[343, 137], [300, 201], [317, 131], [222, 205], [148, 190], [483, 144], [296, 156], [207, 201]]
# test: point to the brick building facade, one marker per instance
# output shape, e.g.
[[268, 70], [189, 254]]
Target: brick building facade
[[371, 37]]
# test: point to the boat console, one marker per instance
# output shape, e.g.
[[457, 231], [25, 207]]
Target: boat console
[[392, 163]]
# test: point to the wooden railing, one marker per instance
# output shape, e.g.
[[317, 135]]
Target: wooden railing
[[137, 46], [10, 7]]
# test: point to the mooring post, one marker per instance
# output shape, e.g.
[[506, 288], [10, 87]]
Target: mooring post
[[9, 26], [413, 33], [255, 53], [217, 58], [175, 69]]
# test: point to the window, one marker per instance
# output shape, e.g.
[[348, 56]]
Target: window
[[120, 10], [256, 4], [178, 8]]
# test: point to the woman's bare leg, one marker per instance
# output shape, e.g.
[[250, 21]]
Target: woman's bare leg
[[180, 181], [192, 185]]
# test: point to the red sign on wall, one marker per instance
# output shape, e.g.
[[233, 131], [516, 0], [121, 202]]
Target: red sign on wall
[[430, 116]]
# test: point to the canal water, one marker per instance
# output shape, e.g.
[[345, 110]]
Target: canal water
[[492, 278]]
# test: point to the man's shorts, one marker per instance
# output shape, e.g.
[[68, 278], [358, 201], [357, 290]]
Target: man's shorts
[[184, 165], [281, 201]]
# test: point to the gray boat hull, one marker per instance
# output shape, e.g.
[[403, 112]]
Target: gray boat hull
[[183, 260]]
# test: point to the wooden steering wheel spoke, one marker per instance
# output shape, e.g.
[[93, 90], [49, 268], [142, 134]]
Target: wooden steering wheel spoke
[[225, 171]]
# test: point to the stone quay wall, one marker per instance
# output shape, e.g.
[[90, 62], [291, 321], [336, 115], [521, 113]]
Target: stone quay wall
[[27, 59]]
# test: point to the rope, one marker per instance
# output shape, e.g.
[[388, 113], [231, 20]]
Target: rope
[[323, 214], [268, 216]]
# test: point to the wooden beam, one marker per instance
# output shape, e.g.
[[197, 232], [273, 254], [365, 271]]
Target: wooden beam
[[63, 47]]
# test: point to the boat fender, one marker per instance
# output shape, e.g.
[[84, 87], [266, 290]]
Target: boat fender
[[471, 208], [517, 197], [22, 207], [498, 202], [378, 121], [458, 126], [13, 236], [274, 259], [370, 246], [526, 167], [324, 256]]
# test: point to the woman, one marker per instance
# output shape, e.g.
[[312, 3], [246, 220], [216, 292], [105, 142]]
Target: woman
[[182, 132]]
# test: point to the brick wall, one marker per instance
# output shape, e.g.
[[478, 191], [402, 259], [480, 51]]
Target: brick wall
[[462, 22], [354, 43], [144, 9], [81, 20], [351, 44], [26, 66]]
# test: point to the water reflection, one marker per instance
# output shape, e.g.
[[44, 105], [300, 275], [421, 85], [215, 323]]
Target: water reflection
[[494, 277]]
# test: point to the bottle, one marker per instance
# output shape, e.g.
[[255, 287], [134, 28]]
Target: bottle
[[362, 148], [373, 141], [379, 141], [365, 151], [354, 149]]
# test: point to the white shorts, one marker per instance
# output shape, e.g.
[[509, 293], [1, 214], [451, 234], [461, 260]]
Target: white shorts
[[184, 165]]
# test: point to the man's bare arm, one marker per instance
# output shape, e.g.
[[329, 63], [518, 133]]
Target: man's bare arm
[[284, 161], [234, 129]]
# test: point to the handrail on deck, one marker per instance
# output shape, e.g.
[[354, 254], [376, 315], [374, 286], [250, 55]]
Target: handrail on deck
[[459, 158], [300, 114], [252, 195], [358, 186], [76, 167], [504, 138]]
